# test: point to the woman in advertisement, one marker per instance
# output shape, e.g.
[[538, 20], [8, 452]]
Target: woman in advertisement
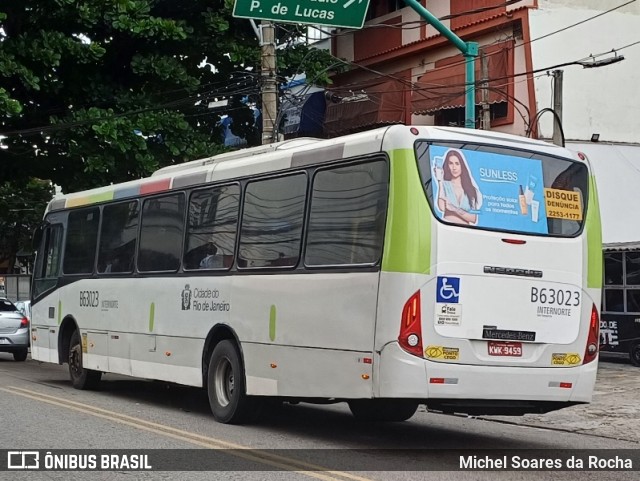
[[458, 195]]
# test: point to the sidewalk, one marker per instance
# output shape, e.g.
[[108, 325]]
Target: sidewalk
[[614, 411]]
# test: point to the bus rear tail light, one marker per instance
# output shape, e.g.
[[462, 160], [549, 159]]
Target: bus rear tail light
[[591, 351], [411, 326]]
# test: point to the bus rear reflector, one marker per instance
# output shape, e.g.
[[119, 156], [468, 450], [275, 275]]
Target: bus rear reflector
[[411, 326], [514, 241], [591, 351]]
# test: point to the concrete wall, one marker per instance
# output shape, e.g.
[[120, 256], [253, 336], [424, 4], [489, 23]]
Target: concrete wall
[[602, 100]]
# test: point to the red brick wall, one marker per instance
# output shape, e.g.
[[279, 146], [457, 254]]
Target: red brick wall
[[461, 6], [372, 41]]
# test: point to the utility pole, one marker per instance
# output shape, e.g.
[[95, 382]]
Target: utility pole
[[485, 119], [557, 106], [269, 84]]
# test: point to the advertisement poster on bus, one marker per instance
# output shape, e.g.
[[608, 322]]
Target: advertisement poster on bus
[[488, 190]]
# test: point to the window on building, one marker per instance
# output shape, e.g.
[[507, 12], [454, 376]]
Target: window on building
[[632, 268], [380, 8], [272, 219], [82, 238], [441, 92], [622, 282], [161, 233], [348, 212], [118, 238], [212, 226]]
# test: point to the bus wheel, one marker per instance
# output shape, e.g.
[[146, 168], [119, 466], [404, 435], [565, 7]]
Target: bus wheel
[[383, 410], [20, 355], [226, 387], [634, 353], [81, 378]]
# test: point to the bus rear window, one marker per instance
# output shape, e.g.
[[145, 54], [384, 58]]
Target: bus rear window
[[503, 189]]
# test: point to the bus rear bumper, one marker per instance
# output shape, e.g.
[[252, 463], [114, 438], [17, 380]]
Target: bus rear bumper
[[402, 375]]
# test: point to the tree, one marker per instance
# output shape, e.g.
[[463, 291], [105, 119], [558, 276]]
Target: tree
[[21, 212], [94, 92], [100, 91]]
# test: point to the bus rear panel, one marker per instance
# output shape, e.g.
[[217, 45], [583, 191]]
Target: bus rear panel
[[497, 290]]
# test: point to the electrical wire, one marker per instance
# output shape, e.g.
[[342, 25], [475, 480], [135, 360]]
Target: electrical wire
[[548, 34], [175, 104], [195, 97], [413, 24]]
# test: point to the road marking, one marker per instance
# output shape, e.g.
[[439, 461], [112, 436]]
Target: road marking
[[262, 457]]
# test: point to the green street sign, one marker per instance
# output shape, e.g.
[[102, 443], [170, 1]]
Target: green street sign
[[334, 13]]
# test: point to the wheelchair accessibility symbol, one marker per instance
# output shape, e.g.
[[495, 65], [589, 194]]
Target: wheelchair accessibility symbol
[[448, 290]]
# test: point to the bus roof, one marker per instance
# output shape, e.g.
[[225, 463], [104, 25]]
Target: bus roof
[[282, 156]]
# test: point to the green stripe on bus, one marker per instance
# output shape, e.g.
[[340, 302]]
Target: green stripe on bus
[[594, 239], [90, 199], [152, 313], [272, 323], [407, 245], [59, 312]]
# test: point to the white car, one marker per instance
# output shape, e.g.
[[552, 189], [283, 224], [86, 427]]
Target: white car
[[24, 307]]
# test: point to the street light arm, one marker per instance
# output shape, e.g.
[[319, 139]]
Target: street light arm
[[439, 26], [601, 63]]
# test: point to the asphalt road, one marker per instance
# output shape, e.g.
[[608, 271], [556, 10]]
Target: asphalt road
[[39, 410]]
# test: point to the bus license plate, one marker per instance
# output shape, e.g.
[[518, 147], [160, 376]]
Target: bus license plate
[[505, 349]]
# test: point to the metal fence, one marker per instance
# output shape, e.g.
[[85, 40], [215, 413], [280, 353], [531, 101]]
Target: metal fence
[[17, 287]]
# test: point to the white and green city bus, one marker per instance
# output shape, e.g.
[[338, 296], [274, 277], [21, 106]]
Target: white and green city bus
[[458, 269]]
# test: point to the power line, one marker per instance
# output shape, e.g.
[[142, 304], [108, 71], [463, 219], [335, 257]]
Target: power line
[[478, 82], [175, 104], [581, 22], [413, 24], [462, 62], [201, 95]]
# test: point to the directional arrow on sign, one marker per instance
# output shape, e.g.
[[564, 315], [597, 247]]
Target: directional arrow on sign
[[348, 4], [333, 13]]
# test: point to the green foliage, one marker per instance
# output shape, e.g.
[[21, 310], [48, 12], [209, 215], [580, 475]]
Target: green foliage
[[103, 91], [8, 105]]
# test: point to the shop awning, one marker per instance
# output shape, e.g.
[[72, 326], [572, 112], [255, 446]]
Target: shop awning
[[621, 246], [304, 117], [444, 86], [365, 105]]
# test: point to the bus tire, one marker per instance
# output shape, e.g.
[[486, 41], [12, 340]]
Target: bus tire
[[226, 386], [634, 353], [383, 410], [20, 355], [81, 378]]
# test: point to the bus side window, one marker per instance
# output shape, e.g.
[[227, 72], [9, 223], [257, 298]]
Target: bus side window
[[348, 212], [211, 227], [271, 234], [48, 261], [161, 233], [81, 243], [118, 237]]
